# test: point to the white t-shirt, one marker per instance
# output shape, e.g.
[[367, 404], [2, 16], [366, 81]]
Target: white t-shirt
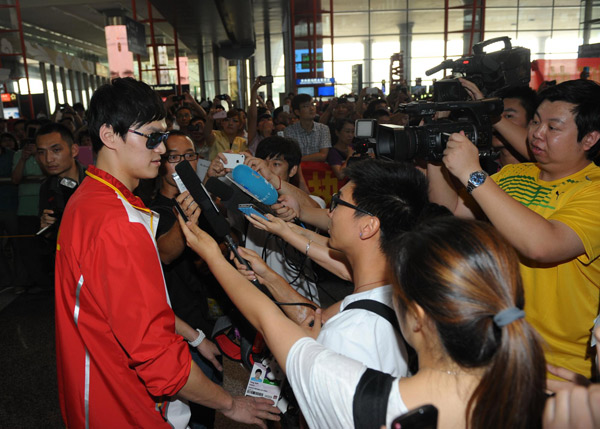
[[324, 383], [366, 336]]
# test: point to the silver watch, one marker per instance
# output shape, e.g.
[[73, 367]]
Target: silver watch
[[476, 179]]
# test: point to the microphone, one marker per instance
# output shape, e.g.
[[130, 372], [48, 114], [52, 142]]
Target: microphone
[[233, 195], [210, 212], [254, 183]]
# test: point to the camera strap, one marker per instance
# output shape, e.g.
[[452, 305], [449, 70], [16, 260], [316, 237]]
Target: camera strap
[[369, 406]]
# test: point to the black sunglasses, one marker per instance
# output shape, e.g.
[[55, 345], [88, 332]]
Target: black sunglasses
[[154, 139], [335, 200]]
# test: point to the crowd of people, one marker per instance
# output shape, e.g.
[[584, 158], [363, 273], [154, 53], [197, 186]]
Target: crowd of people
[[475, 286]]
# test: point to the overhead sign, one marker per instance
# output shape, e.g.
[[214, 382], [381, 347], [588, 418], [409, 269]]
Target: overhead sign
[[136, 37], [315, 81], [7, 97]]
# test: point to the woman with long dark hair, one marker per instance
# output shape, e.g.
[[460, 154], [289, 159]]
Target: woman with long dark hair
[[459, 301]]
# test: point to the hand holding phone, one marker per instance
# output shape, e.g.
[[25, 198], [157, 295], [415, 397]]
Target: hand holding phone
[[233, 159], [221, 114], [249, 209]]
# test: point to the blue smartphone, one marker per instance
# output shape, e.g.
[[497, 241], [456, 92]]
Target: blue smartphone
[[249, 209]]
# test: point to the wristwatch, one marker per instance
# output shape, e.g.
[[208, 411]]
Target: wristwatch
[[476, 179]]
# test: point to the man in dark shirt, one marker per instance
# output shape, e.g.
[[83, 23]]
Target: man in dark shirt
[[187, 293], [56, 151]]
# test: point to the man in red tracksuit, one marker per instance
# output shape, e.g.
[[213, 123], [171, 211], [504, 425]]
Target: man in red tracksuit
[[120, 362]]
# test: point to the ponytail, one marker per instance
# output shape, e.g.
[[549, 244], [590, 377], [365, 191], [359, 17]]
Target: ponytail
[[511, 391]]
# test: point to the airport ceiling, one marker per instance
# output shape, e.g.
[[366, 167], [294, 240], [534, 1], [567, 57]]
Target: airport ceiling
[[79, 24]]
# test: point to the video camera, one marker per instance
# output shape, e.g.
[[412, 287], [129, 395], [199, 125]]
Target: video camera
[[428, 141], [489, 71]]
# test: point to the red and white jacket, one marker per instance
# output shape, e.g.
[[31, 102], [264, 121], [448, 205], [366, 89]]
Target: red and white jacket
[[116, 346]]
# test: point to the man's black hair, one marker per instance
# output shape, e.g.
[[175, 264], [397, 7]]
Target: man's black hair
[[54, 127], [394, 192], [376, 114], [11, 137], [178, 133], [526, 96], [300, 99], [122, 104], [272, 147], [585, 95]]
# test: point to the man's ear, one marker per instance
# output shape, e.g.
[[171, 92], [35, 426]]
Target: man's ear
[[74, 150], [369, 227], [293, 171], [590, 139], [108, 136]]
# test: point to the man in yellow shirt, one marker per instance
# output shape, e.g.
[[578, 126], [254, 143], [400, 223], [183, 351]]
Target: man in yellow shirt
[[549, 211]]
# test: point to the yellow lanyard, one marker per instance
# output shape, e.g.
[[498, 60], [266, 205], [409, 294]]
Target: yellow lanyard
[[110, 185]]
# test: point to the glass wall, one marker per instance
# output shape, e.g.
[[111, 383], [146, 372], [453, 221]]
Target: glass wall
[[368, 32]]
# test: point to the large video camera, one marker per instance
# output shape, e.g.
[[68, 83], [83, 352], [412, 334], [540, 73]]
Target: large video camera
[[489, 71], [428, 141]]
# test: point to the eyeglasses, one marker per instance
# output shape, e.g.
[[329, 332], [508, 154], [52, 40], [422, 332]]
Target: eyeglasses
[[154, 139], [335, 200], [175, 158]]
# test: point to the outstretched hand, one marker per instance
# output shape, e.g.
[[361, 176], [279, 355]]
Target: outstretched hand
[[260, 270], [199, 241], [247, 409], [274, 225]]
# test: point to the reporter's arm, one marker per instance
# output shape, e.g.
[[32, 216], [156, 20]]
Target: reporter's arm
[[330, 259], [515, 135], [279, 331]]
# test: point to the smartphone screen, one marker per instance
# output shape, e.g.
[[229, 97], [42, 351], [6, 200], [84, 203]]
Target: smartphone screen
[[249, 209]]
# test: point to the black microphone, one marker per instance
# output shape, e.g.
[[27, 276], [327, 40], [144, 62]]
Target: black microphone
[[210, 212]]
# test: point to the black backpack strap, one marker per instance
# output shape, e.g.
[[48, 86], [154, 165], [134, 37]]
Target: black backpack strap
[[378, 308], [369, 406], [388, 314]]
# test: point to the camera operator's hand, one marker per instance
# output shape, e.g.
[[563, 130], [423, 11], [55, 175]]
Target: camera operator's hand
[[47, 219], [461, 157], [472, 89]]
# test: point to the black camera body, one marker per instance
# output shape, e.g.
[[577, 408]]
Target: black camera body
[[491, 71], [428, 141]]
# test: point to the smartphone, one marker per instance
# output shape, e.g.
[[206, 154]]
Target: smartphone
[[372, 91], [266, 79], [233, 159], [31, 132], [249, 209], [286, 108], [178, 98], [222, 96], [424, 417], [221, 114]]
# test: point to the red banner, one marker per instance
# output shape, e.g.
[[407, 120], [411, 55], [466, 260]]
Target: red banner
[[562, 70], [320, 179]]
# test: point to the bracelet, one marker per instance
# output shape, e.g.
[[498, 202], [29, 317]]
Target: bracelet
[[307, 248], [198, 340], [277, 189]]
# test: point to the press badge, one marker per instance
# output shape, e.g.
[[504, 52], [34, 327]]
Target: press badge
[[266, 380]]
